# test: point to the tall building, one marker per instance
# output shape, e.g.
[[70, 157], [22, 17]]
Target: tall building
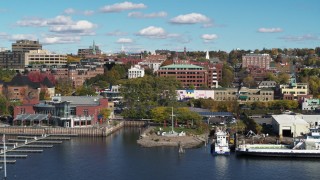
[[15, 59], [12, 60], [256, 60], [26, 45]]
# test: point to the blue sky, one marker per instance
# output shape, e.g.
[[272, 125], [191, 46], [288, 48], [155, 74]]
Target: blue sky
[[199, 25]]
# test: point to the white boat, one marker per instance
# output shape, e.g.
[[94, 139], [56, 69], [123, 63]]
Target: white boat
[[307, 147], [221, 144]]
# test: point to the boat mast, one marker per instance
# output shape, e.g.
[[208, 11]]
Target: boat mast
[[172, 119], [4, 156]]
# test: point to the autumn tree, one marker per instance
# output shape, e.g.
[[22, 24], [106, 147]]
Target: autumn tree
[[64, 87], [104, 113]]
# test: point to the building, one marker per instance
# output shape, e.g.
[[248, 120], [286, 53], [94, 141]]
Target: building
[[256, 60], [44, 57], [188, 74], [92, 50], [22, 89], [12, 60], [135, 72], [289, 125], [267, 84], [294, 90], [65, 111], [76, 72], [310, 104], [243, 95], [15, 59], [26, 45], [194, 94]]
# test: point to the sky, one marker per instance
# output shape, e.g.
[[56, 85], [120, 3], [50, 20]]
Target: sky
[[64, 26]]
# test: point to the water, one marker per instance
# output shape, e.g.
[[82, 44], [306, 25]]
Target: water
[[119, 157]]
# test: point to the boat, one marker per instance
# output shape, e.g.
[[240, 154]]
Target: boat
[[221, 144], [306, 147]]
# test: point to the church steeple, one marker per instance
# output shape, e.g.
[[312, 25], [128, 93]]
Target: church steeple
[[207, 55]]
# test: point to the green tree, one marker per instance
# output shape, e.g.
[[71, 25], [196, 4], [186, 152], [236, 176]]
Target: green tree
[[227, 76], [85, 91], [105, 113], [142, 94]]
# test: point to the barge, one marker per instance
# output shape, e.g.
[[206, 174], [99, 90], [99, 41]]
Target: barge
[[306, 147]]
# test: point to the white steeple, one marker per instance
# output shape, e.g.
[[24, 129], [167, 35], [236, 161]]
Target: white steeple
[[207, 55]]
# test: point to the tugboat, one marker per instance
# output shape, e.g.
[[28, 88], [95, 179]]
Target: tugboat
[[220, 145]]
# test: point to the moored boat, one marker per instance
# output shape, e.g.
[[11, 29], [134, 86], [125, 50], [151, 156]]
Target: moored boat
[[306, 147], [220, 145]]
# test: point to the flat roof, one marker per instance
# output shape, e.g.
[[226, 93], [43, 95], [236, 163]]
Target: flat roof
[[181, 66], [289, 119]]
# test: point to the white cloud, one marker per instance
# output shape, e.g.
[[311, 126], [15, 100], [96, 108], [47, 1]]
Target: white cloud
[[117, 33], [269, 30], [73, 11], [191, 18], [209, 37], [151, 15], [69, 11], [124, 40], [61, 24], [118, 7], [59, 20], [39, 22], [153, 32], [15, 37], [60, 40], [306, 37], [88, 12], [82, 27]]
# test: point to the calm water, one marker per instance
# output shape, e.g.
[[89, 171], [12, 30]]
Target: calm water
[[119, 157]]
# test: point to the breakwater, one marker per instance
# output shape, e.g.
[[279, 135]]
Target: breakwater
[[88, 131]]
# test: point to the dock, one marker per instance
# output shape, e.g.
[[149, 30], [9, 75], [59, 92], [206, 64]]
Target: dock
[[8, 161], [14, 156], [28, 144]]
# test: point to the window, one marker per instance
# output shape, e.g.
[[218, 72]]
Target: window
[[85, 112]]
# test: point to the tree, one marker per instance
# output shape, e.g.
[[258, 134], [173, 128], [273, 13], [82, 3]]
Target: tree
[[64, 87], [140, 95], [44, 94], [85, 91], [249, 81], [6, 75], [160, 114], [283, 78], [227, 76], [104, 113]]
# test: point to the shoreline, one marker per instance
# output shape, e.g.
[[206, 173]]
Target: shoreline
[[154, 140]]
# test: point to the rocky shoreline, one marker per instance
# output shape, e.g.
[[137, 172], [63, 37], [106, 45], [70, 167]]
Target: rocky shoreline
[[148, 139]]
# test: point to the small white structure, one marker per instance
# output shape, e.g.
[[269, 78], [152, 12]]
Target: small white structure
[[135, 72]]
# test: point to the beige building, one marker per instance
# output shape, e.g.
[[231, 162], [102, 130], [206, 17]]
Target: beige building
[[243, 95], [44, 57], [289, 125]]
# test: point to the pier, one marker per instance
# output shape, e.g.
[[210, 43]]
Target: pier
[[27, 144]]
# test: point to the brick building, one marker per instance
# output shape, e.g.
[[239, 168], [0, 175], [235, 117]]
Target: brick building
[[257, 60], [187, 74], [66, 111]]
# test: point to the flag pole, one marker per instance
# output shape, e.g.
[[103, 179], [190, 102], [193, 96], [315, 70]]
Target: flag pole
[[4, 156]]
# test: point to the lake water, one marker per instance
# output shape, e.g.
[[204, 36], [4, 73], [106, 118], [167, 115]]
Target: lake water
[[119, 157]]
